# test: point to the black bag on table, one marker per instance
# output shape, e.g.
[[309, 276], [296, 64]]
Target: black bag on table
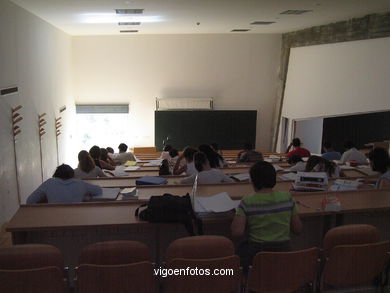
[[168, 208]]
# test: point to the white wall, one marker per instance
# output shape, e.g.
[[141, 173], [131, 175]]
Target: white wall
[[338, 79], [310, 133], [37, 58], [238, 71]]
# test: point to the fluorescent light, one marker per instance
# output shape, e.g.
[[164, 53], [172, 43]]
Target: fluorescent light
[[115, 18]]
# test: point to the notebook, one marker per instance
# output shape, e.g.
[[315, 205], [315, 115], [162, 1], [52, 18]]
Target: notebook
[[151, 180]]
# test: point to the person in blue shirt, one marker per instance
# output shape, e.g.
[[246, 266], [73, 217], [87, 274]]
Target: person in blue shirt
[[63, 188], [329, 153]]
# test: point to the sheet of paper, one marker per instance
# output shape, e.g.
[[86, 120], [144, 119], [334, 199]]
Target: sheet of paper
[[109, 193], [154, 162], [241, 176], [218, 203], [288, 177], [119, 171], [278, 168], [346, 167], [130, 163], [131, 168]]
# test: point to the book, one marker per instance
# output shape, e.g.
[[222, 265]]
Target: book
[[109, 193], [288, 177], [217, 203], [241, 177]]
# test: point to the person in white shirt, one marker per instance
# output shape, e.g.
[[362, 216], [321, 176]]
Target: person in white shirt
[[352, 154], [206, 174], [319, 164], [297, 164], [123, 156], [185, 162], [165, 153]]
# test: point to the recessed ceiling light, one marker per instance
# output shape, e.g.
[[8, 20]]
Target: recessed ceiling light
[[129, 11], [262, 22], [116, 18], [128, 31], [296, 12], [236, 30], [129, 23]]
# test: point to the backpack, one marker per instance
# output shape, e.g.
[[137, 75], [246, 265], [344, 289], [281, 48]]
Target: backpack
[[168, 208]]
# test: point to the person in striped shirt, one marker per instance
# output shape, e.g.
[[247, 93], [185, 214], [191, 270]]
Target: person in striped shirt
[[268, 216]]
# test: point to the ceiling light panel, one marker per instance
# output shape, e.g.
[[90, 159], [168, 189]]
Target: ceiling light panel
[[129, 23], [295, 12], [262, 22], [128, 31], [240, 30], [129, 11]]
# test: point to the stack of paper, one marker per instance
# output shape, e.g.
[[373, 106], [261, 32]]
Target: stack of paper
[[341, 184], [129, 193], [119, 171], [218, 203], [288, 177]]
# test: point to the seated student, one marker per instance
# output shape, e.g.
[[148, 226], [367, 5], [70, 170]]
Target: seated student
[[185, 162], [268, 215], [380, 162], [123, 156], [215, 159], [319, 164], [249, 154], [110, 150], [297, 164], [87, 168], [105, 161], [298, 150], [352, 154], [173, 157], [215, 147], [94, 152], [206, 174], [63, 188], [165, 152], [329, 153]]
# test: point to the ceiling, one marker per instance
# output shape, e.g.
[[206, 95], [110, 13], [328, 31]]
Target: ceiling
[[97, 17]]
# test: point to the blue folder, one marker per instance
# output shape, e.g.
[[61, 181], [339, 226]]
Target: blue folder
[[151, 180]]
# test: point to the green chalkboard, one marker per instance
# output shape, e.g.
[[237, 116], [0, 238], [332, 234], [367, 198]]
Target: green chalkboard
[[230, 129]]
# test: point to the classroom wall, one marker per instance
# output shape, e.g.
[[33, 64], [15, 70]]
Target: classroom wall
[[36, 57], [238, 71]]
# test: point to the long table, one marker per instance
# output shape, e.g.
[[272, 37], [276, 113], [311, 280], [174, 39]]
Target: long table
[[70, 227]]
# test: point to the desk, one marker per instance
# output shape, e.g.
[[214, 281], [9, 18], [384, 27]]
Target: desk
[[70, 227]]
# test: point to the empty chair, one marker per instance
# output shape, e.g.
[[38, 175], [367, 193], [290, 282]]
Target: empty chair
[[205, 264], [350, 234], [283, 271], [31, 268], [353, 256], [115, 266]]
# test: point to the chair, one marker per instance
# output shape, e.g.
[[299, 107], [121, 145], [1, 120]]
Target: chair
[[31, 268], [280, 272], [115, 266], [352, 256], [208, 255], [350, 234]]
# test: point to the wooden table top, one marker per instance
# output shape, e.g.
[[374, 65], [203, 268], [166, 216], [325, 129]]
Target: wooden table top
[[111, 214]]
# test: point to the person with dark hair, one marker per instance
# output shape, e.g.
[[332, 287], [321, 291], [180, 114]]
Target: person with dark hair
[[215, 147], [63, 188], [297, 149], [248, 154], [352, 154], [87, 168], [329, 153], [380, 162], [173, 157], [268, 215], [297, 164], [123, 156], [165, 152], [185, 162], [110, 150], [105, 161], [206, 174], [215, 159], [94, 152], [319, 164]]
